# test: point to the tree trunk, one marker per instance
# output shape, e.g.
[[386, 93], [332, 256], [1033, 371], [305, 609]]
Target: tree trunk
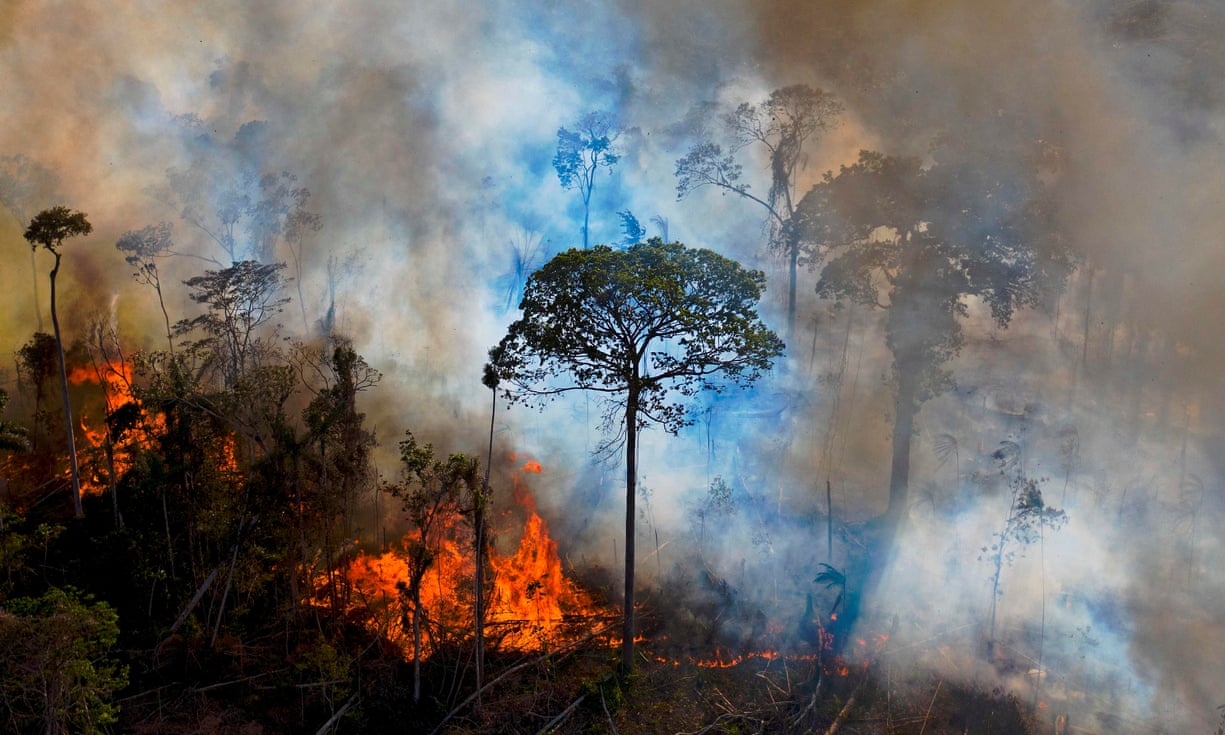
[[478, 582], [38, 312], [586, 223], [631, 478], [157, 284], [899, 476], [793, 260], [112, 481], [881, 545], [77, 508], [417, 642]]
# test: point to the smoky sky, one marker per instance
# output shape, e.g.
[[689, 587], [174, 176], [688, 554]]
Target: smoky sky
[[425, 133]]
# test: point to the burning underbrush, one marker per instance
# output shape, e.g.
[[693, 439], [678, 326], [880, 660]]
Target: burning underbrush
[[531, 603], [116, 427]]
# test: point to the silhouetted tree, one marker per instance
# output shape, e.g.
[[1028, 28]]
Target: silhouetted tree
[[227, 194], [13, 438], [1027, 516], [50, 228], [781, 125], [581, 153], [920, 242], [642, 326], [240, 299], [37, 362], [142, 249]]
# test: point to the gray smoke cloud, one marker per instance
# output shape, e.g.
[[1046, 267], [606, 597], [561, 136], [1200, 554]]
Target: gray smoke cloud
[[425, 133]]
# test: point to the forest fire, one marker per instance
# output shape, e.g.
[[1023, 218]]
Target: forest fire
[[124, 426], [532, 604]]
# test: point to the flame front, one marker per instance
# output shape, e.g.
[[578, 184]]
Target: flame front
[[114, 455], [532, 604]]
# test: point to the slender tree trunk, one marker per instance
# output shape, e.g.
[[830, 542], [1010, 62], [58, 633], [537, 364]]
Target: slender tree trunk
[[111, 480], [587, 210], [479, 576], [829, 520], [417, 642], [631, 479], [38, 312], [793, 261], [1082, 368], [157, 285], [77, 508]]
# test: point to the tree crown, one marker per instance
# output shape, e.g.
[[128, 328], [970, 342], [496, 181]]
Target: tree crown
[[51, 227], [652, 319], [583, 150]]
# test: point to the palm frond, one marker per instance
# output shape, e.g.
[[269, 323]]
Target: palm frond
[[944, 446]]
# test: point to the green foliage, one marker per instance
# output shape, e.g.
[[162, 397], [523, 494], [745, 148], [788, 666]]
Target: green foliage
[[13, 438], [51, 227], [655, 318], [56, 675]]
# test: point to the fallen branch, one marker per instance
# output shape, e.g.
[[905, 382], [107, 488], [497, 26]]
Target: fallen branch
[[812, 701], [930, 705], [335, 718], [846, 708], [195, 600], [219, 685], [564, 714], [611, 726]]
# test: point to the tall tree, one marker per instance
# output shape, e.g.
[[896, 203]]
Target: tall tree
[[24, 185], [646, 327], [142, 249], [50, 228], [920, 243], [781, 126], [581, 153]]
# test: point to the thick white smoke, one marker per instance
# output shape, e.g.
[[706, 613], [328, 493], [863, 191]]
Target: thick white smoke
[[425, 132]]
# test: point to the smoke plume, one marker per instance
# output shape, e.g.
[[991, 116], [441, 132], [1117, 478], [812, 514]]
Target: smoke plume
[[425, 134]]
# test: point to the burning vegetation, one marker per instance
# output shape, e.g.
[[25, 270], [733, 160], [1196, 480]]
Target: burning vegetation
[[895, 441]]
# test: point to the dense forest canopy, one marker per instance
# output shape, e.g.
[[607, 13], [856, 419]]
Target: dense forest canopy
[[247, 248]]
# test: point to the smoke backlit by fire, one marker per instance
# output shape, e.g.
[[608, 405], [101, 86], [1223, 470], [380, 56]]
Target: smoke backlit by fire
[[425, 133]]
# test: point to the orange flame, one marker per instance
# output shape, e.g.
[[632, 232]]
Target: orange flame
[[532, 603], [115, 382]]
